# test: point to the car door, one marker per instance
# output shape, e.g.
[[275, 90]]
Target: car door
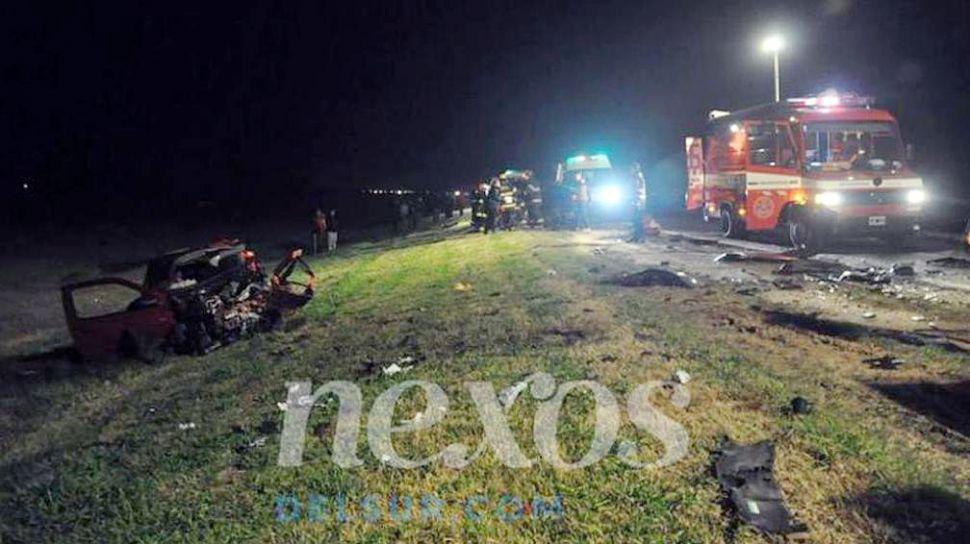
[[100, 312]]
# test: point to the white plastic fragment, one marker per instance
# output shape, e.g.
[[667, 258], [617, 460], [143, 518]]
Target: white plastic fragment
[[395, 368]]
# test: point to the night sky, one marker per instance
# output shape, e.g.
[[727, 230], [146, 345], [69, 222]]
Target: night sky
[[128, 102]]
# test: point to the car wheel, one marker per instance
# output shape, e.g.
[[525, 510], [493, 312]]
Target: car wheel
[[141, 347]]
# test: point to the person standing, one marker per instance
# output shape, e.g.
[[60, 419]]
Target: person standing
[[582, 203], [493, 204], [404, 212], [640, 204], [478, 206], [319, 228], [332, 231]]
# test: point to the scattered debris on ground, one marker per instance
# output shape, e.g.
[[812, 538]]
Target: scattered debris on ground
[[730, 257], [786, 284], [747, 478], [186, 426], [681, 376], [394, 368], [886, 362], [800, 406], [508, 395], [462, 286], [757, 256], [652, 277], [950, 262]]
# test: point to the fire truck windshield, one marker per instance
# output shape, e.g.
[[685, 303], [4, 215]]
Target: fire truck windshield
[[842, 146]]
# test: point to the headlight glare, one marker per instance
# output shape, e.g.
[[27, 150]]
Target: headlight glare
[[829, 199], [916, 196]]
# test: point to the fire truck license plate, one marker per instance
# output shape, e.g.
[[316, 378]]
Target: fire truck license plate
[[877, 221]]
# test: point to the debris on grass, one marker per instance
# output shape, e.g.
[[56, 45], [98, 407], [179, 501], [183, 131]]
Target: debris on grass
[[918, 318], [747, 478], [800, 406], [950, 262], [462, 286], [869, 315], [415, 419], [186, 426], [786, 284], [680, 376], [551, 272], [871, 276], [902, 270], [886, 362], [730, 257], [394, 368], [508, 395], [258, 443], [652, 277], [282, 406]]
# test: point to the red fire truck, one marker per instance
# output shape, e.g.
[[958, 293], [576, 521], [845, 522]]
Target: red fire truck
[[822, 166]]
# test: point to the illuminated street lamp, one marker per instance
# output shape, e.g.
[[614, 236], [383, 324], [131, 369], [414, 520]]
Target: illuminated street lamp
[[774, 44]]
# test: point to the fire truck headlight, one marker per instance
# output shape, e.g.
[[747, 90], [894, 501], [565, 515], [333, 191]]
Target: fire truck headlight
[[916, 196], [829, 199], [609, 195]]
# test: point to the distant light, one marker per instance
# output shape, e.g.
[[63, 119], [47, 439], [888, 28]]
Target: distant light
[[773, 44], [457, 193], [734, 127], [580, 158], [26, 186]]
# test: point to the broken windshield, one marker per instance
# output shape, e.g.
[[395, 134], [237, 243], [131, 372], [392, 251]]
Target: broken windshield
[[841, 146]]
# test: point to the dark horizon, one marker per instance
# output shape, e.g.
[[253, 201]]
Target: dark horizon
[[129, 108]]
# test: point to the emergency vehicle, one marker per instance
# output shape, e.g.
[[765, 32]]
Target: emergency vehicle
[[613, 192], [823, 166]]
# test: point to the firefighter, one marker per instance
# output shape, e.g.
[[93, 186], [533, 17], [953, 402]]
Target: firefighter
[[493, 204], [966, 237], [318, 230], [533, 203], [479, 206], [509, 206], [640, 204], [581, 203]]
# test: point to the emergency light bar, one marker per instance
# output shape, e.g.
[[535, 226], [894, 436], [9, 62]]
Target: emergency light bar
[[588, 162], [832, 99]]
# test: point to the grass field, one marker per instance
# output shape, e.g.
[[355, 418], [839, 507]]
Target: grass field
[[99, 455]]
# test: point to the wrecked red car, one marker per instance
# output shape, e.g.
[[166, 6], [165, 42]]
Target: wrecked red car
[[191, 301]]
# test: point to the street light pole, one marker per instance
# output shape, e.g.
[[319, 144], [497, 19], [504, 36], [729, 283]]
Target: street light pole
[[777, 80], [774, 44]]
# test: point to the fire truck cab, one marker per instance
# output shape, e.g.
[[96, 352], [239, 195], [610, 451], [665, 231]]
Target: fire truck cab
[[823, 166]]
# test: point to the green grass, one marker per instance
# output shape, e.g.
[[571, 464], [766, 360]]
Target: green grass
[[99, 457]]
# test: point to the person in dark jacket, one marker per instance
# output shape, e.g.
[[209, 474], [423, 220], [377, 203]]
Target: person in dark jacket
[[493, 205], [318, 230]]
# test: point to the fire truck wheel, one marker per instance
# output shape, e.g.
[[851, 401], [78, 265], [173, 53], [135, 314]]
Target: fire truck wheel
[[731, 225], [804, 234]]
